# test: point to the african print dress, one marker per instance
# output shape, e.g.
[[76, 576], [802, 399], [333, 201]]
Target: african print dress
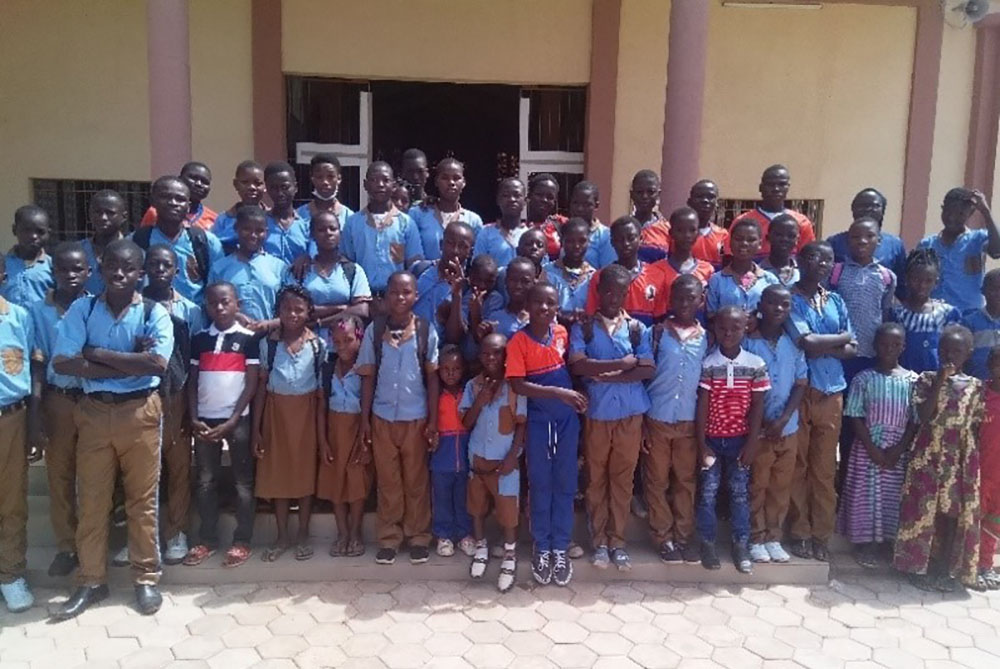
[[942, 478], [869, 509]]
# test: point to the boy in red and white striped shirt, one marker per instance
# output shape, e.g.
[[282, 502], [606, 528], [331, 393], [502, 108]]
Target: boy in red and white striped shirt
[[727, 427]]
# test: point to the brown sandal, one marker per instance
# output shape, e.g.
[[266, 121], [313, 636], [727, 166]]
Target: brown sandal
[[355, 548]]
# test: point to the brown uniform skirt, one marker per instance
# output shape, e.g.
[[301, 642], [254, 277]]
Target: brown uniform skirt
[[288, 468], [341, 481]]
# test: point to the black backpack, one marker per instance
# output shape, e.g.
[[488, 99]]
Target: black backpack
[[634, 332], [199, 244]]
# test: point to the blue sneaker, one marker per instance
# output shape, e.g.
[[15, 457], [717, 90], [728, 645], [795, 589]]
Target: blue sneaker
[[17, 595]]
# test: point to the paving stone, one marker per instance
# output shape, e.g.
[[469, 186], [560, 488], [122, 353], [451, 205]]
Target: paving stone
[[448, 621], [615, 663], [606, 643], [817, 659], [654, 656], [364, 645], [974, 657], [875, 638], [246, 636], [769, 649], [846, 649], [116, 649], [234, 657], [736, 657], [688, 645], [643, 633], [558, 611], [144, 658], [564, 631], [486, 632], [404, 656], [197, 647], [448, 663], [572, 656], [293, 623], [447, 644], [779, 616], [800, 638], [632, 613], [520, 620], [489, 656], [212, 625], [720, 636], [407, 632], [895, 658]]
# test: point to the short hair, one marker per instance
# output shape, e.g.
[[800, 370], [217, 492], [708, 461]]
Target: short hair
[[682, 212], [957, 330], [196, 165], [463, 226], [402, 273], [508, 180], [126, 247], [450, 160], [991, 275], [168, 179], [615, 273], [958, 194], [325, 159], [685, 280], [775, 288], [293, 290], [378, 165], [28, 212], [889, 326], [321, 214], [625, 221], [782, 218], [451, 349], [922, 257], [540, 286], [222, 284], [859, 220], [818, 245], [646, 174], [874, 191], [248, 165], [744, 223], [523, 262], [249, 212], [157, 248], [485, 263], [278, 167], [771, 169], [575, 222], [414, 154], [587, 187], [733, 310], [64, 249], [107, 194], [538, 179]]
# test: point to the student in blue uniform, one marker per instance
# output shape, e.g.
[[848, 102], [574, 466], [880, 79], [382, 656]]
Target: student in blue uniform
[[59, 396], [18, 427], [443, 284], [29, 268], [255, 273], [500, 239], [741, 282], [196, 249], [107, 217], [961, 249], [119, 344], [325, 174], [537, 370], [890, 251], [433, 219], [287, 231], [380, 238], [508, 313], [571, 273], [249, 185], [984, 324], [583, 203]]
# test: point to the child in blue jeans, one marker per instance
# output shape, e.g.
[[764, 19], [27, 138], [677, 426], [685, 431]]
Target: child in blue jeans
[[727, 427]]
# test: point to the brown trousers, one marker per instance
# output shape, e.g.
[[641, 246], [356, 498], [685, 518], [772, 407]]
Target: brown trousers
[[612, 451], [118, 437], [814, 500], [669, 480], [771, 487], [176, 451], [404, 503], [13, 495], [60, 465]]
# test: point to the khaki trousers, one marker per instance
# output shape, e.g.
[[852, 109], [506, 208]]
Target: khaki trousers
[[176, 464], [771, 487], [670, 479], [13, 495], [404, 505], [60, 466], [121, 437], [612, 451], [814, 500]]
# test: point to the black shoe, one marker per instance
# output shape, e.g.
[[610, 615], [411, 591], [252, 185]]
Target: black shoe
[[81, 600], [562, 568], [669, 553], [820, 551], [710, 556], [148, 599], [63, 564], [541, 567], [419, 554], [690, 553], [385, 556], [800, 548], [741, 558]]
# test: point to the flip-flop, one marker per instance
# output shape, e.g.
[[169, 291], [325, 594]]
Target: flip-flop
[[303, 552], [273, 553], [339, 548], [355, 549]]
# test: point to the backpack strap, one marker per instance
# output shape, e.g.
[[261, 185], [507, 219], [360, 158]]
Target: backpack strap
[[199, 245], [142, 236], [588, 330], [328, 366], [423, 335], [350, 269], [378, 334], [272, 348], [838, 269], [318, 362]]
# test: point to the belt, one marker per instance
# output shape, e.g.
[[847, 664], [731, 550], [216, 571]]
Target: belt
[[121, 398], [75, 393], [11, 408]]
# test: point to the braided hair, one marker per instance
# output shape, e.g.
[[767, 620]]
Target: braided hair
[[293, 290], [922, 257]]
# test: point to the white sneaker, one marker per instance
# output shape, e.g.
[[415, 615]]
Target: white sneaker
[[121, 558], [468, 546], [445, 548], [17, 595], [758, 553], [508, 571], [479, 560], [777, 551], [177, 549]]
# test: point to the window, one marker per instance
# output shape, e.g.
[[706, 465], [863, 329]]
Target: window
[[729, 209], [552, 131], [67, 200]]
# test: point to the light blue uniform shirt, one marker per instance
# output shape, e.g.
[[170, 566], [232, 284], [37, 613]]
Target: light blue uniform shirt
[[287, 243], [332, 289], [485, 440], [962, 269], [985, 335], [187, 282], [27, 282], [600, 253], [495, 309], [571, 286], [725, 289], [45, 315], [225, 229], [612, 401], [432, 291], [293, 373], [432, 231], [17, 338], [342, 213], [345, 392], [492, 242], [826, 374], [673, 390], [257, 282], [95, 282], [184, 309], [99, 328], [786, 365], [380, 251], [400, 393]]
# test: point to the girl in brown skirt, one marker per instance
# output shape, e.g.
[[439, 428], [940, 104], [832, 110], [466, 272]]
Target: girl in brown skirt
[[345, 477], [288, 417]]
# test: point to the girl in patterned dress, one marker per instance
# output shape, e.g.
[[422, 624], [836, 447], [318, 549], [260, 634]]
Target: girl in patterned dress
[[923, 317], [938, 537], [878, 405]]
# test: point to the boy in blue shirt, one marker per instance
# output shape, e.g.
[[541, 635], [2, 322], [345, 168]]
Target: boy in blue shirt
[[399, 418], [29, 268], [106, 215], [500, 239], [444, 282], [583, 203], [961, 249], [119, 345], [536, 369], [670, 450], [984, 324], [773, 462], [59, 395], [325, 173], [287, 232], [380, 238], [611, 352], [249, 185], [18, 427]]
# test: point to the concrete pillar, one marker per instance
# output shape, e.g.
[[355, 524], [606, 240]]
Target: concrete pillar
[[169, 86]]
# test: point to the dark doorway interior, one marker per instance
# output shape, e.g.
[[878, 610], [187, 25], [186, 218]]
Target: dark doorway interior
[[476, 123]]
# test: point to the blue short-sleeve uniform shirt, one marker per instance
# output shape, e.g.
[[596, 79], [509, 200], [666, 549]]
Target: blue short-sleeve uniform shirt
[[962, 269], [257, 281], [429, 223], [600, 253], [613, 401], [726, 289], [400, 393], [673, 390], [345, 392], [486, 440], [572, 285], [17, 338], [432, 290], [825, 314], [187, 282], [492, 240], [381, 248], [293, 373], [45, 315], [985, 335], [95, 282], [27, 280], [287, 243], [786, 365]]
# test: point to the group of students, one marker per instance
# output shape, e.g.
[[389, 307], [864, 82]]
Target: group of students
[[448, 363]]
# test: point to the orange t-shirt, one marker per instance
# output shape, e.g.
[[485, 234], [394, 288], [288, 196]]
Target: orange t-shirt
[[654, 240], [449, 419], [204, 218], [806, 232], [702, 270], [642, 301], [710, 244]]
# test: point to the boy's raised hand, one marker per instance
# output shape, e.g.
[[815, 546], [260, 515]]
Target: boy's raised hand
[[980, 203]]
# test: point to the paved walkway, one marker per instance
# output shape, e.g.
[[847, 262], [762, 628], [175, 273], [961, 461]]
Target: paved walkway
[[855, 623]]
